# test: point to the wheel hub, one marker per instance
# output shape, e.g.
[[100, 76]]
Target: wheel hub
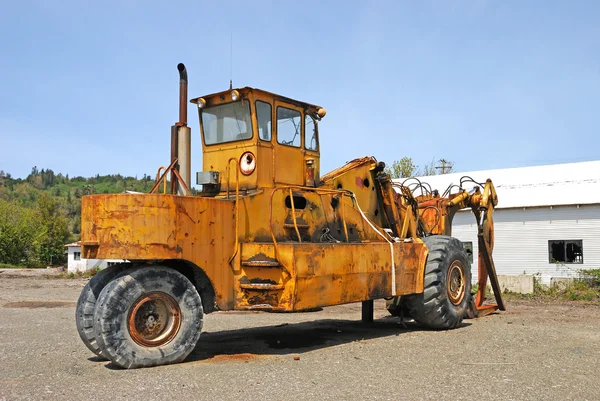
[[455, 283], [154, 319]]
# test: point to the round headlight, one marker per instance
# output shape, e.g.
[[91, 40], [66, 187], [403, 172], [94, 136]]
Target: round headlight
[[235, 95], [247, 163]]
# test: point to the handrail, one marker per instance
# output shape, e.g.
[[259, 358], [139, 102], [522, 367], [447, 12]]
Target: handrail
[[237, 204], [159, 179], [164, 181], [344, 221], [294, 215], [164, 174], [320, 191]]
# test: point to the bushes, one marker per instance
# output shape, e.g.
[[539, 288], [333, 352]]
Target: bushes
[[32, 237]]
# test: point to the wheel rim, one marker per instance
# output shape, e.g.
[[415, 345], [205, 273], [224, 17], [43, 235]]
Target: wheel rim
[[456, 283], [154, 319]]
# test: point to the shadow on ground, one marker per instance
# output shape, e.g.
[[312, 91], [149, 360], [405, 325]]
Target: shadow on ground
[[244, 345], [294, 338]]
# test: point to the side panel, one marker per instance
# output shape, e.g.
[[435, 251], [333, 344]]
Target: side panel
[[155, 227], [308, 275], [218, 158], [331, 274]]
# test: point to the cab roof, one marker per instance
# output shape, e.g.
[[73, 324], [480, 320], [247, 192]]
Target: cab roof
[[246, 90]]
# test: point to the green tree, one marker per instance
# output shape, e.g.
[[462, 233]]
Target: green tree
[[405, 168], [21, 234], [57, 230], [402, 168]]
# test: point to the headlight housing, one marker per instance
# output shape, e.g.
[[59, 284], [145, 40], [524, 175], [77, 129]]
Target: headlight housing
[[247, 163]]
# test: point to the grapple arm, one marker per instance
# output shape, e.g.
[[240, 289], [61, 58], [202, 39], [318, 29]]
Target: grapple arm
[[435, 216], [483, 205]]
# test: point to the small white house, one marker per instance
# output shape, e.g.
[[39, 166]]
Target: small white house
[[75, 263], [547, 222]]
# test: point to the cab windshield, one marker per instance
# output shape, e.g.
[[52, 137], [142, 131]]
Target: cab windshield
[[226, 123]]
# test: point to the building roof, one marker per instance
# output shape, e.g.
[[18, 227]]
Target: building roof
[[77, 243], [551, 185]]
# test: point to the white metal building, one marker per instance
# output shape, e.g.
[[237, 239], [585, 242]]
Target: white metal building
[[75, 263], [547, 221]]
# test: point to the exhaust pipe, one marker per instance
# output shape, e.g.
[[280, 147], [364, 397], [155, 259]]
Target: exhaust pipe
[[183, 94], [181, 137]]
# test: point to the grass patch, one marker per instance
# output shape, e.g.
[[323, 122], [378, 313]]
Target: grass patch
[[88, 274], [584, 290], [9, 266]]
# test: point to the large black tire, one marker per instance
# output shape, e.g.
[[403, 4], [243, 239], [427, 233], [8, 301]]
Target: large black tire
[[86, 304], [148, 316], [447, 285]]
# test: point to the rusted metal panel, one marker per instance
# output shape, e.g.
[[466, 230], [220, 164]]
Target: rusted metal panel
[[330, 274], [358, 177], [155, 227], [347, 167], [262, 282]]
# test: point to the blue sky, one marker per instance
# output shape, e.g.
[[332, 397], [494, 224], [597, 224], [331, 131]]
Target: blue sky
[[91, 87]]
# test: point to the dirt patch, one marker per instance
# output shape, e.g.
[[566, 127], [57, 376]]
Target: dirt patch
[[40, 304], [234, 358], [31, 273]]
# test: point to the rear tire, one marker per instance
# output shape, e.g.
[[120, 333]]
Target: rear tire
[[447, 285], [148, 316], [86, 304]]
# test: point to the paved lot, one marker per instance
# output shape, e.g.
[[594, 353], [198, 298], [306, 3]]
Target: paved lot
[[531, 352]]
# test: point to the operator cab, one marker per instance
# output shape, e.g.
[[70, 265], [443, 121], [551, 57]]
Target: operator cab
[[258, 139]]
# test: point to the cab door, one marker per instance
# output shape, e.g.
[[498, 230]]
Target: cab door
[[288, 146]]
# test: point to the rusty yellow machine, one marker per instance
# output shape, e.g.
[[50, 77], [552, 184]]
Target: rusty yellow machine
[[269, 232]]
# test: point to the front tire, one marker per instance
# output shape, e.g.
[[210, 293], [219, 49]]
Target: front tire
[[148, 316], [86, 305], [447, 285]]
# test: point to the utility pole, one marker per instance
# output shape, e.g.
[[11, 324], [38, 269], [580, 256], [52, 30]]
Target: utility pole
[[446, 166]]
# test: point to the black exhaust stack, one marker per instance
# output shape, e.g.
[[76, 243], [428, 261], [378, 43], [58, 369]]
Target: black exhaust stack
[[181, 137]]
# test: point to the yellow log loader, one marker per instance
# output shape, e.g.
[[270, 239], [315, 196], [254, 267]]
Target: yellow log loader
[[268, 232]]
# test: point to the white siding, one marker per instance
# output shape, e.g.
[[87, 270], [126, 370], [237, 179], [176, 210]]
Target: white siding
[[72, 264], [557, 184], [521, 238], [83, 265]]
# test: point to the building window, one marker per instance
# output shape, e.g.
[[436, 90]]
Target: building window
[[469, 248], [565, 251], [77, 255]]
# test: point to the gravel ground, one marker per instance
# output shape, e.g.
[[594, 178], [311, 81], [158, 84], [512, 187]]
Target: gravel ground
[[531, 352]]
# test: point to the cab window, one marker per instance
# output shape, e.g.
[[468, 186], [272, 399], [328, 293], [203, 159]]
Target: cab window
[[263, 116], [310, 133], [289, 126], [227, 123]]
